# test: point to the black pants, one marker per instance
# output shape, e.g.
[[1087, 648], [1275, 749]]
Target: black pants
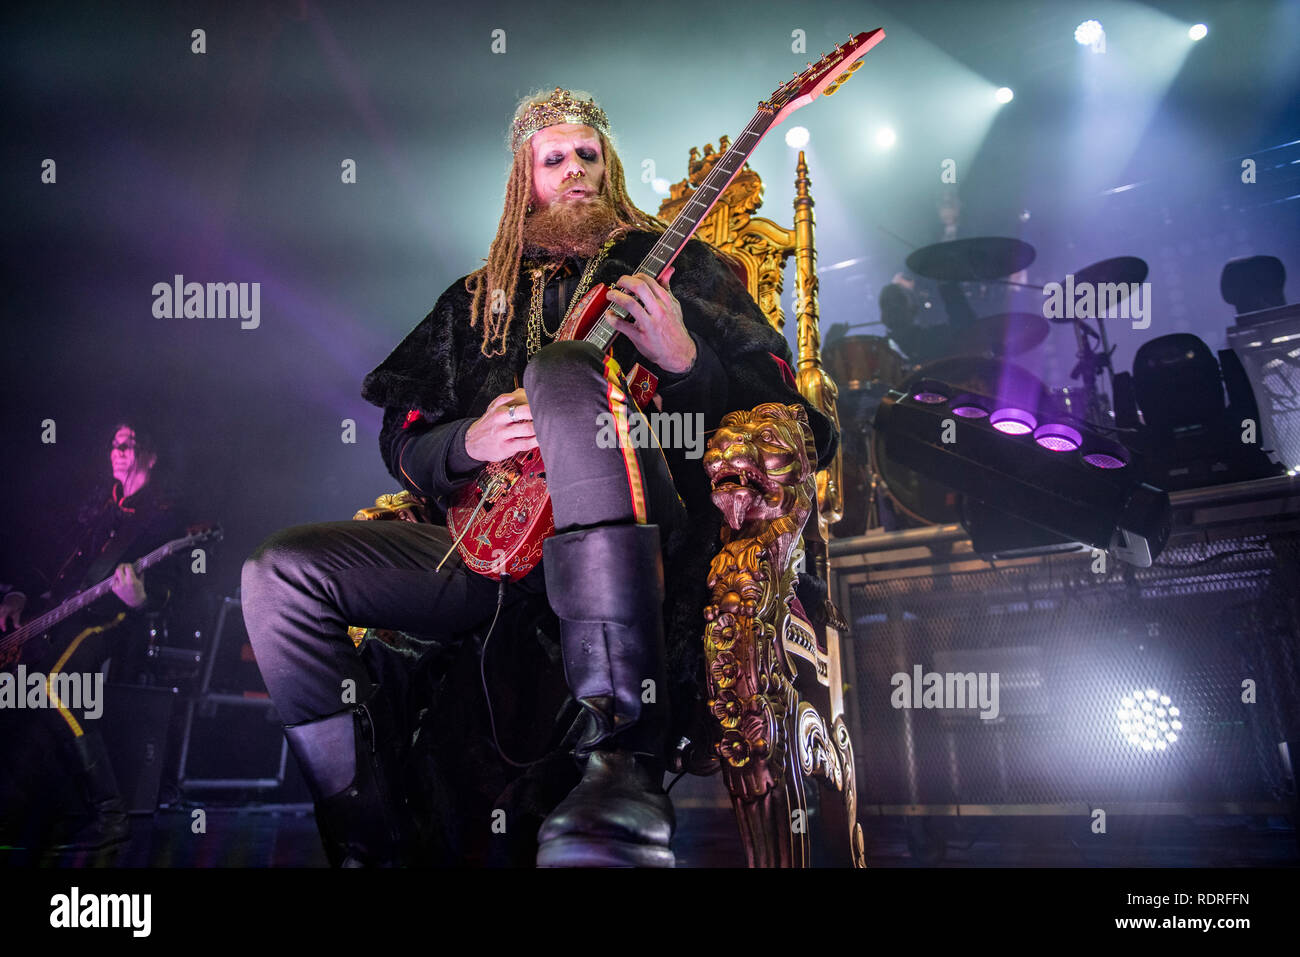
[[305, 585]]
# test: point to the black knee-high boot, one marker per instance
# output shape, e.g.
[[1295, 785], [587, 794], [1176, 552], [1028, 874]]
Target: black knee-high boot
[[108, 823], [352, 762], [606, 586]]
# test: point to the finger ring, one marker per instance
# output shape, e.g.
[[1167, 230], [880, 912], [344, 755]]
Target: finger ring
[[510, 411]]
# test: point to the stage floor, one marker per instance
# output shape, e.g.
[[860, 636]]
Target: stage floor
[[285, 836]]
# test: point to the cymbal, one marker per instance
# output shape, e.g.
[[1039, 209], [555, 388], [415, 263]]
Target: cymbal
[[969, 260], [1121, 269], [1003, 334]]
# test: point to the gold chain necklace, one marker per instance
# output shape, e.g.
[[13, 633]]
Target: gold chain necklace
[[536, 324]]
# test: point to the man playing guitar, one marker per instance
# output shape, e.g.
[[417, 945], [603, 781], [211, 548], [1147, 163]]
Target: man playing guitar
[[118, 523], [483, 377]]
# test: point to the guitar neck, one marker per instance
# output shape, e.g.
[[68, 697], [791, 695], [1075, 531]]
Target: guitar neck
[[84, 598], [683, 227]]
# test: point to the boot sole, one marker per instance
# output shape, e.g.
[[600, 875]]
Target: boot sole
[[585, 852]]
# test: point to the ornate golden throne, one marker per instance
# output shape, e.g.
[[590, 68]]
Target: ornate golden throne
[[775, 682]]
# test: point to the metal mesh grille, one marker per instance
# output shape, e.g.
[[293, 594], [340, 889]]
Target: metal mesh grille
[[1070, 647], [1275, 375]]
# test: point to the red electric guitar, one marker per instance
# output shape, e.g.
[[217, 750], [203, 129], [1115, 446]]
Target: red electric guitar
[[501, 520]]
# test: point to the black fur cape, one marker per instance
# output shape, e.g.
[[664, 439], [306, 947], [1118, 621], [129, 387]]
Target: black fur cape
[[439, 371]]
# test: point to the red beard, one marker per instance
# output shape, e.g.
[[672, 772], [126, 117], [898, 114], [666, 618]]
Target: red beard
[[570, 230]]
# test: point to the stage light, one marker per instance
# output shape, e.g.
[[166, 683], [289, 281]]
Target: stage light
[[796, 137], [1089, 34], [1190, 437], [1198, 32], [1103, 461], [1145, 724], [1013, 421], [885, 138], [1058, 437], [1004, 94], [1063, 478]]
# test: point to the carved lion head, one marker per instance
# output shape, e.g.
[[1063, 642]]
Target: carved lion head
[[760, 463]]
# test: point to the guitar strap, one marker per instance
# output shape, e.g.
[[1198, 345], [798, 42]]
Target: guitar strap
[[619, 408]]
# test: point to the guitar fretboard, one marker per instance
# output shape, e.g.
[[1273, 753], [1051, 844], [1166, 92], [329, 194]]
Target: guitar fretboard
[[693, 213], [95, 592]]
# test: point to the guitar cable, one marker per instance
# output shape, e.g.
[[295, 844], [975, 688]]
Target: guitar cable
[[482, 671], [487, 696]]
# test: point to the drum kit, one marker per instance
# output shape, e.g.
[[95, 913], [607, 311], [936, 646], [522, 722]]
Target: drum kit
[[972, 355]]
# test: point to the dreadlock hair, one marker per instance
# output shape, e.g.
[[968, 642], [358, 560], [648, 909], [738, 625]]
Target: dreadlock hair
[[494, 310]]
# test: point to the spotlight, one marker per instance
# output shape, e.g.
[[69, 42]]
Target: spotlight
[[796, 137], [1090, 34], [1198, 32], [1145, 725], [1189, 436], [1004, 94], [1028, 467], [885, 137], [1013, 421], [1058, 437]]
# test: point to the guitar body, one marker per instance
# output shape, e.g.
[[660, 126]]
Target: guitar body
[[501, 526], [585, 313], [41, 652], [36, 651], [505, 535]]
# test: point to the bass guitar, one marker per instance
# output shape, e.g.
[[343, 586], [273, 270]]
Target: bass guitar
[[11, 644]]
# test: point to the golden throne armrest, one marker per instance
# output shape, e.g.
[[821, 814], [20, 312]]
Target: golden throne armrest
[[768, 675], [389, 507]]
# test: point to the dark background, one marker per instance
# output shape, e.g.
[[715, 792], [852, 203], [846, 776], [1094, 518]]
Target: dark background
[[226, 167]]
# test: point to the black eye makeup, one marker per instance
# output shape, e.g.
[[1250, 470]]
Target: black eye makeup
[[586, 152]]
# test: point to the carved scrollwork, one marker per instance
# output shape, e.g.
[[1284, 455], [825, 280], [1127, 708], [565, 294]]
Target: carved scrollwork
[[844, 745], [816, 753]]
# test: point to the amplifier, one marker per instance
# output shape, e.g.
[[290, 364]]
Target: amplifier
[[136, 732]]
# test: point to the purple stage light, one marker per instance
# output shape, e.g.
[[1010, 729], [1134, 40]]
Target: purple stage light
[[1013, 421], [930, 398], [970, 411], [1101, 460], [1058, 438]]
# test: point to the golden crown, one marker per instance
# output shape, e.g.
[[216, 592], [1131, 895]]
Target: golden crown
[[560, 107]]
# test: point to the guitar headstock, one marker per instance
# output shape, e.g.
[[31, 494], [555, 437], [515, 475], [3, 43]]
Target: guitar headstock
[[203, 532], [825, 76]]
